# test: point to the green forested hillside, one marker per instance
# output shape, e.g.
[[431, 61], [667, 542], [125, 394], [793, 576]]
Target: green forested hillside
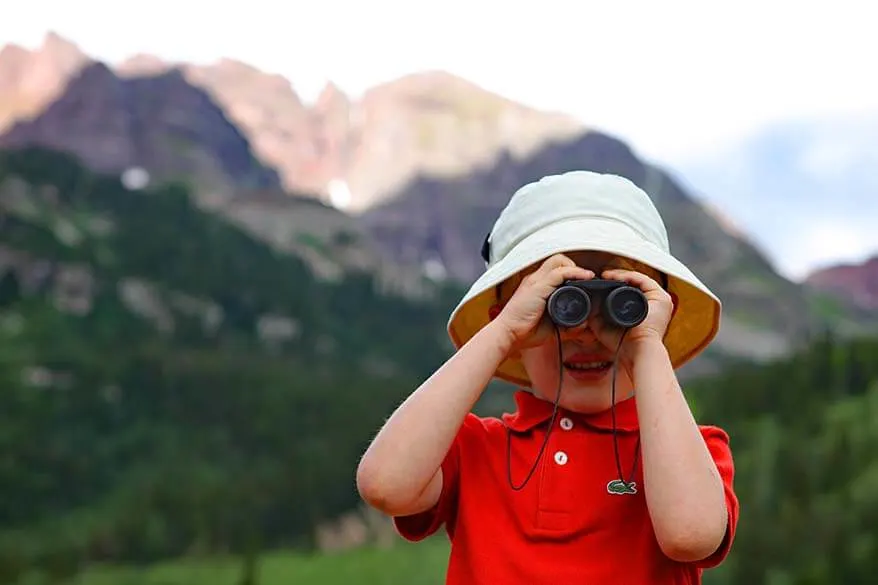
[[174, 388], [140, 426], [805, 437]]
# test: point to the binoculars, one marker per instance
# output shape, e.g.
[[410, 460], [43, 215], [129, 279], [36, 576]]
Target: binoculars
[[621, 305]]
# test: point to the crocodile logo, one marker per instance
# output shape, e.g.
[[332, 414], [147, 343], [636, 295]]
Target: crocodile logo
[[619, 487]]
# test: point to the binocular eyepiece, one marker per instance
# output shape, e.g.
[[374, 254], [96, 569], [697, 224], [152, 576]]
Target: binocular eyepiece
[[621, 305]]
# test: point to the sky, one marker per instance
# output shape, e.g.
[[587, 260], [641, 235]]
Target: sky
[[675, 79], [806, 192]]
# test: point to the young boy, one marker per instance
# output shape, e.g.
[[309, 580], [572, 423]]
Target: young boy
[[601, 475]]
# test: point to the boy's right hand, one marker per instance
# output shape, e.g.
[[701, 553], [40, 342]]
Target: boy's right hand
[[524, 316]]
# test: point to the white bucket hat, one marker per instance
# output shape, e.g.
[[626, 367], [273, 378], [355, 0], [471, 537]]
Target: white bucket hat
[[579, 211]]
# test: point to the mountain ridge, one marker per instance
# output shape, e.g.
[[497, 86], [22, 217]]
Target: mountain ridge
[[168, 129], [441, 221], [31, 79], [854, 282], [429, 228], [158, 122], [422, 122]]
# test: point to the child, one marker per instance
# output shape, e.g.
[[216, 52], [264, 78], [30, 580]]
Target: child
[[630, 489]]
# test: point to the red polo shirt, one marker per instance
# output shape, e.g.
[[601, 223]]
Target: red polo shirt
[[563, 526]]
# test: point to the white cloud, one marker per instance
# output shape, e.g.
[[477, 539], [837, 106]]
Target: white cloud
[[827, 241], [830, 154], [829, 158]]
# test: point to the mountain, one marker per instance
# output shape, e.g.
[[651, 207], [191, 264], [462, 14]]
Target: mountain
[[856, 284], [279, 127], [350, 152], [448, 136], [165, 128], [435, 123], [159, 123], [805, 189], [442, 222], [29, 80], [354, 152]]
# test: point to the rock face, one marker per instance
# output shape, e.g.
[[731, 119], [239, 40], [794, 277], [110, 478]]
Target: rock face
[[331, 242], [351, 152], [856, 283], [444, 221], [437, 124], [263, 106], [355, 152], [29, 80], [166, 127], [162, 124]]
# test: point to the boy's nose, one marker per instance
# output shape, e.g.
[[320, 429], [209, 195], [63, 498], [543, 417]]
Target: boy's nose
[[580, 332]]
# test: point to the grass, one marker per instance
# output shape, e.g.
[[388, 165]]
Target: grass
[[403, 564]]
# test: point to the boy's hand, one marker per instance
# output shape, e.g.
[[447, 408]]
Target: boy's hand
[[653, 328], [524, 317]]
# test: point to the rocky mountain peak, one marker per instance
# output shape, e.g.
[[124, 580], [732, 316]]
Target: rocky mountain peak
[[437, 124], [331, 97], [29, 79], [430, 122], [140, 65], [160, 123], [60, 49]]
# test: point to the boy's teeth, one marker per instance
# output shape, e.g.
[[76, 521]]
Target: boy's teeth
[[588, 365]]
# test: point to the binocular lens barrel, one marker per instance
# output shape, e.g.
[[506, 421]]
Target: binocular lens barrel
[[569, 306]]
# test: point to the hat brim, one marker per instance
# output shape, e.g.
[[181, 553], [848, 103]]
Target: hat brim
[[697, 312]]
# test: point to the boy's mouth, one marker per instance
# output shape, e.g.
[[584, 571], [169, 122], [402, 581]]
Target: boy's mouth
[[587, 366]]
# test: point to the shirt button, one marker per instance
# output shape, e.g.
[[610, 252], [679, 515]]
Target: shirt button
[[566, 424], [560, 457]]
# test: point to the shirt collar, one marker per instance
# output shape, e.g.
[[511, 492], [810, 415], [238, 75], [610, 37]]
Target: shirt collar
[[532, 411]]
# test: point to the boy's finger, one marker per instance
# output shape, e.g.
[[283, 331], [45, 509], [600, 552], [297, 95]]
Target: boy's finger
[[631, 277], [549, 264], [574, 272], [557, 261]]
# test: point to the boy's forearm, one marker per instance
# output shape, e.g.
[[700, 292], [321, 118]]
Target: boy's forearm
[[684, 491], [410, 447]]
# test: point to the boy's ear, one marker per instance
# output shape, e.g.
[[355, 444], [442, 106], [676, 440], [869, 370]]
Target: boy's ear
[[493, 311]]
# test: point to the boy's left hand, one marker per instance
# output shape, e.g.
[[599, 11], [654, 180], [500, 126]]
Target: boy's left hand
[[653, 328]]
